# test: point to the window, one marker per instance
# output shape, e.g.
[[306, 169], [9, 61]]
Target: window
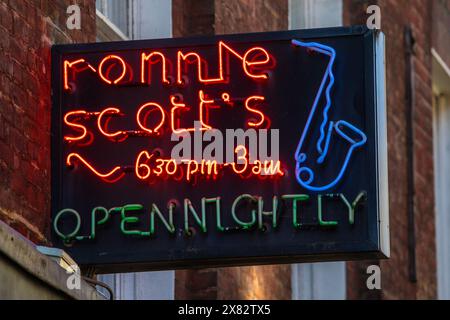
[[133, 19], [140, 285], [118, 14], [315, 13], [319, 281], [441, 139]]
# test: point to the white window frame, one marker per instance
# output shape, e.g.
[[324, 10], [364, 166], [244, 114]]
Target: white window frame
[[441, 145], [108, 30]]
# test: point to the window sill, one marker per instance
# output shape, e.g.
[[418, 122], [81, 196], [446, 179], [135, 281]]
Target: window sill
[[108, 31]]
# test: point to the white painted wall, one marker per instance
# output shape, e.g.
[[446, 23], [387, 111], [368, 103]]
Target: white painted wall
[[325, 280]]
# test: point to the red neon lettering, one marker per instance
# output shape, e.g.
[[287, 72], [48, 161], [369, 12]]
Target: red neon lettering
[[211, 167], [76, 126], [272, 168], [105, 78], [246, 64], [148, 58], [257, 168], [226, 97], [173, 163], [205, 168], [108, 112], [177, 105], [203, 113], [245, 60], [182, 56], [190, 170], [261, 115], [159, 167], [203, 103], [158, 126], [68, 65], [251, 58], [140, 165], [242, 157]]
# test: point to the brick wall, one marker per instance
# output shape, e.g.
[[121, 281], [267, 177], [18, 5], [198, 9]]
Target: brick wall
[[192, 17], [221, 17], [257, 282], [396, 282], [239, 16], [28, 28]]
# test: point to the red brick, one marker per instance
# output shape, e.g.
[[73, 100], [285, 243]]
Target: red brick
[[25, 94], [395, 278], [6, 18]]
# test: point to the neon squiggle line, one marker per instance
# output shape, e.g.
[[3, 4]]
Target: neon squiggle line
[[106, 176], [324, 138]]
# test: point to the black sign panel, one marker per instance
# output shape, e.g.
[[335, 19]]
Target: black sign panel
[[226, 150]]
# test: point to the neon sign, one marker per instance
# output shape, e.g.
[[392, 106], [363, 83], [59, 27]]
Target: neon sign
[[167, 219], [249, 60], [231, 150]]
